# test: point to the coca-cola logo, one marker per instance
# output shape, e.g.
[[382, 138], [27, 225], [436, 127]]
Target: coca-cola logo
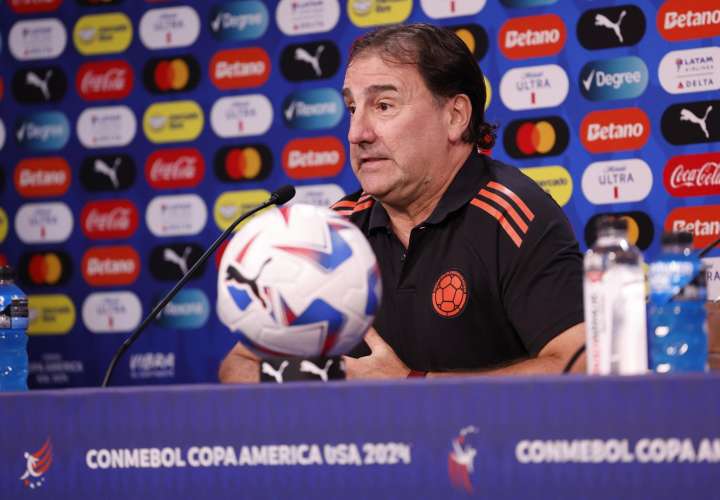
[[693, 175], [109, 266], [109, 219], [42, 177], [175, 168], [104, 80]]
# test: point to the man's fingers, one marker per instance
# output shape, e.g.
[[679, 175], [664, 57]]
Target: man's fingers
[[374, 340]]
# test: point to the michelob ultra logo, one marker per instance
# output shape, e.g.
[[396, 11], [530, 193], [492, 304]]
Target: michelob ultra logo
[[111, 312], [310, 61], [640, 228], [313, 109], [45, 268], [42, 177], [474, 36], [42, 131], [110, 266], [440, 9], [33, 6], [691, 122], [188, 310], [176, 215], [251, 162], [531, 138], [174, 168], [44, 222], [240, 68], [239, 21], [681, 20], [231, 204], [102, 33], [693, 175], [366, 13], [618, 78], [554, 180], [534, 87], [532, 36], [241, 116], [109, 219], [169, 27], [104, 80], [106, 126], [712, 274], [615, 130], [168, 75], [702, 221], [37, 39], [313, 157], [39, 85], [608, 27], [617, 181], [692, 70], [302, 17], [174, 121], [107, 172], [52, 314]]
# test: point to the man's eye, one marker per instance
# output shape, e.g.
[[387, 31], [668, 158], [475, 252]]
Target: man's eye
[[383, 106], [351, 109]]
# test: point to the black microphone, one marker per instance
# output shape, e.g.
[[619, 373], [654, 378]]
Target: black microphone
[[279, 197]]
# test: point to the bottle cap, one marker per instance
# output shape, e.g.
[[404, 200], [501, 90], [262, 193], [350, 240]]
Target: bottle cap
[[7, 273], [676, 238], [604, 222], [620, 223]]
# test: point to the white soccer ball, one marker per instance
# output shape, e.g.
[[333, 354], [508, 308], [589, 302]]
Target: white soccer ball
[[298, 281]]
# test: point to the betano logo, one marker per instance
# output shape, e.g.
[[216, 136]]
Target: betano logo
[[109, 219], [111, 312], [532, 36], [693, 175], [188, 310], [609, 79], [440, 9], [313, 109], [176, 215], [174, 121], [702, 221], [97, 34], [44, 222], [51, 314], [640, 228], [230, 204], [474, 36], [239, 21], [608, 27], [110, 266], [302, 17], [681, 20], [617, 181], [174, 168], [104, 80], [615, 130], [169, 27], [251, 162], [168, 75], [33, 6], [240, 68], [45, 268], [106, 126], [241, 116], [313, 157], [42, 131], [531, 138], [42, 177], [366, 13], [534, 87], [692, 70], [554, 180], [37, 39]]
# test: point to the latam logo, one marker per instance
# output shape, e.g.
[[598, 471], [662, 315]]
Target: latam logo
[[640, 228], [536, 137], [691, 123], [42, 177], [692, 70], [42, 131], [241, 116], [103, 34], [441, 9], [44, 222], [52, 314], [302, 17], [111, 312], [174, 121], [106, 126], [617, 181], [172, 262], [110, 266], [532, 36], [39, 85], [615, 130], [310, 61], [107, 172], [534, 87], [526, 3], [364, 13], [252, 162], [33, 6], [104, 80], [319, 195], [693, 175], [702, 221], [313, 109], [176, 215], [169, 75], [188, 310], [109, 219], [240, 68], [45, 268], [169, 27], [474, 36], [239, 21], [174, 168], [619, 26], [37, 39], [554, 180], [610, 79], [314, 157], [680, 20]]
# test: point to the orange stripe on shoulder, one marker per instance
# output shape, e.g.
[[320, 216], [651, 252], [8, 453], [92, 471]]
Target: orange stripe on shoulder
[[363, 206], [343, 204], [500, 218], [508, 208], [510, 194]]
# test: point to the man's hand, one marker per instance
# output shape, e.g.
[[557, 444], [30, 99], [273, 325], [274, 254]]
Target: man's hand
[[381, 363], [240, 365]]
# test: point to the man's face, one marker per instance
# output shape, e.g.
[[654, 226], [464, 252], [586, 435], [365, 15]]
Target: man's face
[[398, 131]]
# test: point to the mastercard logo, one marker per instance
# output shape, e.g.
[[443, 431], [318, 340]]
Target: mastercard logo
[[45, 268], [546, 136], [247, 163], [168, 75], [474, 36], [640, 228]]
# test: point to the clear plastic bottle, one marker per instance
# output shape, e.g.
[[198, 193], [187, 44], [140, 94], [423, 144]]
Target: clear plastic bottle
[[614, 296], [676, 316], [13, 333]]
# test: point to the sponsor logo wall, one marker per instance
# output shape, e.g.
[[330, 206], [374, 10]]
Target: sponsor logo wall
[[131, 133]]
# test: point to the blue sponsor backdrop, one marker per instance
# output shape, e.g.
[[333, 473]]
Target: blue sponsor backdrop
[[189, 346]]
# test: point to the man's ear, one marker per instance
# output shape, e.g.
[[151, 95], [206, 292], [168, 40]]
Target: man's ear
[[459, 109]]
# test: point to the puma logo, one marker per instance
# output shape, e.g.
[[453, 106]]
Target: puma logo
[[181, 261], [110, 171], [310, 367], [303, 55], [688, 116], [268, 369], [34, 79], [233, 274], [601, 20]]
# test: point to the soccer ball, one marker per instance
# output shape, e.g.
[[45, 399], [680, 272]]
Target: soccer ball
[[298, 281]]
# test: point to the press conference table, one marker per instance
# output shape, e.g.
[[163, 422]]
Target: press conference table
[[549, 437]]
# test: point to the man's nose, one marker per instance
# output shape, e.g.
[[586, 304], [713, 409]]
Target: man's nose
[[361, 129]]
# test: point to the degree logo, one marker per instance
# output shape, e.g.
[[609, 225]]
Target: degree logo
[[614, 130], [45, 268], [366, 13], [554, 180], [109, 219], [33, 6], [239, 21], [106, 126], [702, 221], [692, 70], [640, 228], [44, 222], [52, 314], [532, 36], [174, 121], [176, 215], [102, 34], [252, 162], [171, 262], [174, 168], [176, 74], [240, 68], [169, 27], [302, 17], [42, 131], [107, 172], [691, 122], [104, 80], [230, 204], [617, 181], [39, 85], [188, 310], [241, 116], [531, 138], [111, 312], [310, 61], [680, 20], [313, 157], [619, 78], [37, 39], [42, 177], [619, 26], [313, 109], [440, 9], [693, 175], [474, 36], [110, 266], [534, 87]]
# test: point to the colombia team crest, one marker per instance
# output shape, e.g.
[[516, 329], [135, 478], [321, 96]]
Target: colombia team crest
[[450, 294]]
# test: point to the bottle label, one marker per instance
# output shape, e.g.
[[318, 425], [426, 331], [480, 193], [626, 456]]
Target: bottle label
[[669, 278]]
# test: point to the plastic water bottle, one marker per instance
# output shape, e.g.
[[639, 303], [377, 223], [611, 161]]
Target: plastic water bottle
[[614, 296], [677, 318], [13, 333]]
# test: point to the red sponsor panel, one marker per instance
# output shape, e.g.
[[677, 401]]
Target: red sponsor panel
[[532, 36], [109, 219], [703, 221], [33, 6], [313, 157], [110, 266], [104, 80], [42, 177], [615, 130], [4, 261], [240, 68], [688, 20], [174, 168], [693, 175]]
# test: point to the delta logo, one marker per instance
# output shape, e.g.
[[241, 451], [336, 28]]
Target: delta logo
[[174, 168], [252, 162], [104, 80], [681, 20], [302, 17], [532, 36], [37, 39], [111, 312], [110, 266], [39, 85], [475, 38], [176, 215], [241, 116], [37, 464], [617, 181], [611, 79], [692, 70], [691, 123], [366, 13], [441, 9], [239, 21], [310, 61], [50, 222], [172, 262], [640, 228], [42, 177], [169, 27], [45, 268], [109, 219], [313, 109], [693, 175], [313, 157], [50, 314], [188, 310], [534, 87], [554, 180], [42, 131], [536, 137], [702, 221], [240, 68], [107, 172], [106, 126], [97, 34], [609, 27], [33, 6], [170, 75], [174, 121], [615, 130]]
